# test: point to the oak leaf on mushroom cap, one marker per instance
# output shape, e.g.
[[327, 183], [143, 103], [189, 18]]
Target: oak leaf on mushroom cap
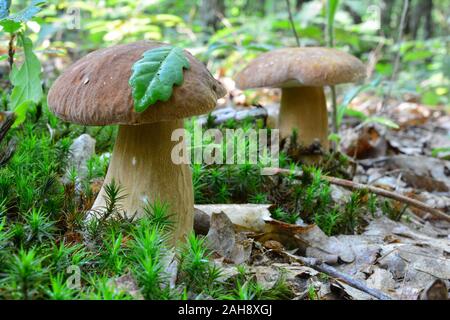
[[95, 89]]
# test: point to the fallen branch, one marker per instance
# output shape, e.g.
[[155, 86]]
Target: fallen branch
[[381, 192], [291, 21], [6, 121], [329, 270], [221, 116], [202, 222]]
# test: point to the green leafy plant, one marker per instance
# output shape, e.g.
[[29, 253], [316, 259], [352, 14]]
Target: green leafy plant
[[59, 289], [147, 251], [154, 76], [158, 213], [24, 273], [114, 195], [26, 79], [112, 253], [312, 294], [38, 226], [199, 274], [103, 289]]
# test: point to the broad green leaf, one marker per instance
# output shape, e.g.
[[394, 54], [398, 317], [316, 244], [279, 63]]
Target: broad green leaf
[[332, 6], [21, 113], [335, 138], [3, 57], [417, 55], [430, 98], [154, 76], [10, 26], [4, 8], [356, 114], [26, 79], [12, 23]]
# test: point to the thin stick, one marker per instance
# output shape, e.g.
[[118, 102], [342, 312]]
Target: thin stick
[[6, 121], [11, 51], [398, 55], [381, 192], [334, 109], [330, 44], [291, 20], [325, 268]]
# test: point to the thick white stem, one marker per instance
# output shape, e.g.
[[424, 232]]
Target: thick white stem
[[141, 163]]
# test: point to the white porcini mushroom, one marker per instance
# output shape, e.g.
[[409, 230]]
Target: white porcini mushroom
[[95, 91], [301, 73]]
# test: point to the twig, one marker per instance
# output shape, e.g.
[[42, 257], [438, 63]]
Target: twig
[[6, 121], [398, 55], [330, 44], [291, 20], [334, 109], [6, 155], [223, 115], [325, 268], [381, 192], [11, 51]]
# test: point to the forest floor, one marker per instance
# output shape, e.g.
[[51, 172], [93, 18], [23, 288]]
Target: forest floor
[[278, 236], [403, 254]]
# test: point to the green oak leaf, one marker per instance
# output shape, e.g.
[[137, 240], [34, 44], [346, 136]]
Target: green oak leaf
[[154, 76], [26, 79]]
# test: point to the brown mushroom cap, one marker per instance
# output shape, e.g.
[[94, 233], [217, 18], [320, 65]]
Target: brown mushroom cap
[[95, 90], [293, 67]]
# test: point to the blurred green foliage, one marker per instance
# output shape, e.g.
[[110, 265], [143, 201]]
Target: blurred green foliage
[[250, 27]]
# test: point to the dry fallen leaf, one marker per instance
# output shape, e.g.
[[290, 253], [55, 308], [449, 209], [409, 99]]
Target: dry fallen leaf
[[223, 239]]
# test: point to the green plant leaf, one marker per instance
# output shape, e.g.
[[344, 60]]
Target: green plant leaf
[[332, 6], [26, 80], [13, 23], [154, 76], [10, 26], [3, 57], [356, 114], [335, 138]]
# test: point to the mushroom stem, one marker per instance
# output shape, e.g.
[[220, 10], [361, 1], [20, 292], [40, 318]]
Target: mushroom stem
[[304, 109], [141, 164]]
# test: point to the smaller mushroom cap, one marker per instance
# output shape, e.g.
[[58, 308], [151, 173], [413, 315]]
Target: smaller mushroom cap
[[293, 67], [95, 90]]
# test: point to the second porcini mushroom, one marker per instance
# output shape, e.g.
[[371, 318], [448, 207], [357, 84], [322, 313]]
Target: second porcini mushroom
[[95, 91], [301, 73]]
